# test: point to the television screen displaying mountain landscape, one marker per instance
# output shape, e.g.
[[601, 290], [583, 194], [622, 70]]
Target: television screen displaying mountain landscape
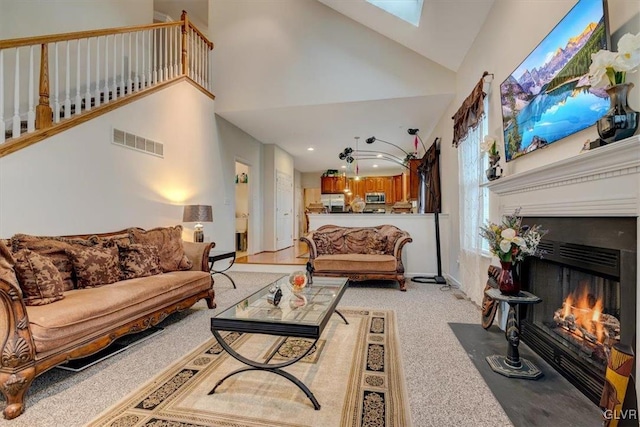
[[548, 96]]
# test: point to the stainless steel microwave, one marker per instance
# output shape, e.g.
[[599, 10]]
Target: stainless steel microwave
[[375, 198]]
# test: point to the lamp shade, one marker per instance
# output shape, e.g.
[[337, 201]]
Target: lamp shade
[[197, 213]]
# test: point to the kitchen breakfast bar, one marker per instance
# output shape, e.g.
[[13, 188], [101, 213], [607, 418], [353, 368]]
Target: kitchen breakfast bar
[[419, 256]]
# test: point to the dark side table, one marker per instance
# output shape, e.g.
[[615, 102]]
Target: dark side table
[[513, 366], [218, 256]]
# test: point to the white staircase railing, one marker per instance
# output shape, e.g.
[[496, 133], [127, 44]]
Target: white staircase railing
[[82, 71]]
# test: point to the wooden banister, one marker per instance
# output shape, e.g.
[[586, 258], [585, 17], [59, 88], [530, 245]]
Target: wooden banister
[[44, 115], [28, 41], [185, 28], [202, 36], [144, 63]]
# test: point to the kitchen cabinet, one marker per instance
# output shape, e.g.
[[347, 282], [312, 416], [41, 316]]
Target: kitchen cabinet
[[398, 195], [414, 180], [388, 190], [332, 184]]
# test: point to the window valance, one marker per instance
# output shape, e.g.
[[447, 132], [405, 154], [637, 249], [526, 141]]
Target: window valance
[[470, 112]]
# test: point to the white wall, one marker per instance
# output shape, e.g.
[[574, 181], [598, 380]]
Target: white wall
[[79, 182], [26, 18], [237, 145], [512, 30], [197, 11], [329, 58]]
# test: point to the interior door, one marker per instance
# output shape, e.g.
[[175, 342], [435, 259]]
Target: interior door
[[284, 210]]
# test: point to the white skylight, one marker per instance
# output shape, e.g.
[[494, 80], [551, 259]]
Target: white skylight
[[407, 10]]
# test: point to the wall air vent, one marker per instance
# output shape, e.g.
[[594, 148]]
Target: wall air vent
[[138, 143]]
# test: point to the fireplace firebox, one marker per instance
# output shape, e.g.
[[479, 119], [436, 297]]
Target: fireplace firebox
[[586, 279]]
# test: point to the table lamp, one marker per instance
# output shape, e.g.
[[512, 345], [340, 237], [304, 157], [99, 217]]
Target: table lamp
[[197, 214]]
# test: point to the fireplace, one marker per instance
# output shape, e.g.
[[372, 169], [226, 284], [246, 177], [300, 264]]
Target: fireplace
[[587, 281]]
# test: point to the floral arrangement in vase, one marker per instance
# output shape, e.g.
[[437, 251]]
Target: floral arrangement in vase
[[511, 242], [489, 145], [609, 70]]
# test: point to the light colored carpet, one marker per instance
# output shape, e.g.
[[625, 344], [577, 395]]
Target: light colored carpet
[[355, 374], [444, 387]]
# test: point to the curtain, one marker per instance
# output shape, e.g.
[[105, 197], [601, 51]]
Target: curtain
[[470, 112], [473, 212]]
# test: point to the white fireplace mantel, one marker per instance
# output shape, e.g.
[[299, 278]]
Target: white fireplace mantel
[[599, 182]]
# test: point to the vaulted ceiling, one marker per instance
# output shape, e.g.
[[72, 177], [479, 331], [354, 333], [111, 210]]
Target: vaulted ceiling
[[317, 73]]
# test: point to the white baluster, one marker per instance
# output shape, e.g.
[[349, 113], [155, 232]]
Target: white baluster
[[130, 81], [96, 95], [179, 51], [56, 88], [115, 63], [31, 114], [166, 50], [67, 83], [105, 88], [144, 54], [198, 50], [87, 94], [122, 65], [2, 125], [16, 98], [155, 57], [158, 40], [78, 97], [150, 62], [136, 78], [171, 71]]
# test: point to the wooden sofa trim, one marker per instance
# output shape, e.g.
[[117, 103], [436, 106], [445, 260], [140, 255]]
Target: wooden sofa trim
[[397, 275], [19, 364]]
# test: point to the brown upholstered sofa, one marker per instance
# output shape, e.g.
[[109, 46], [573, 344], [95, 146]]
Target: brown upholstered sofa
[[38, 331], [359, 253]]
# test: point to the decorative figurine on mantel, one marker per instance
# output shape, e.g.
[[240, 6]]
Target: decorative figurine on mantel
[[490, 147]]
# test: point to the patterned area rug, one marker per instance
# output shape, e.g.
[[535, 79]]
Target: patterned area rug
[[355, 373]]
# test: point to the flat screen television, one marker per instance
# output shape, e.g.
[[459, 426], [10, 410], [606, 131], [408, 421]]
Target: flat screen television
[[548, 96]]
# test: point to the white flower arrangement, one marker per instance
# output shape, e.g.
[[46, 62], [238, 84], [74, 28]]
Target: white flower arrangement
[[611, 68]]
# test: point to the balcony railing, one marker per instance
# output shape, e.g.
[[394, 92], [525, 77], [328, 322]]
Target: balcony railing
[[89, 70]]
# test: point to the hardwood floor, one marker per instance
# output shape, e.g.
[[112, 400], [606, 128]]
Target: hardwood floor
[[291, 256]]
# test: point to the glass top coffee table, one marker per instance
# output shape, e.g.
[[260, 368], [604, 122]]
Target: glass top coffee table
[[300, 314]]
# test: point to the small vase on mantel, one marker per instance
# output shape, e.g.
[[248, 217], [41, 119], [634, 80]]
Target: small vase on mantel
[[621, 121], [508, 282]]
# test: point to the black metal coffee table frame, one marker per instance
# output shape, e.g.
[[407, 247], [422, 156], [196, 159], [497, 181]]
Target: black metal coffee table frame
[[290, 329], [218, 256]]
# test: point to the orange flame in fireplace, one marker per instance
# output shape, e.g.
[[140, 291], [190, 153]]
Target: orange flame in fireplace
[[586, 312]]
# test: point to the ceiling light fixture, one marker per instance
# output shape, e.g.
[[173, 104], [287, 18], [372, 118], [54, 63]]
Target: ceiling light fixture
[[310, 149], [375, 166]]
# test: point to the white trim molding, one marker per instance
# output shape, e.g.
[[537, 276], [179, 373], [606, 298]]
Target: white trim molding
[[599, 182]]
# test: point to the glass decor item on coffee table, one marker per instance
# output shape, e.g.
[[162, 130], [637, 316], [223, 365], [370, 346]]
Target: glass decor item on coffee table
[[277, 310]]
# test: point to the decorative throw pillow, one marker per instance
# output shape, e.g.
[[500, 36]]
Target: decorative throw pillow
[[324, 246], [95, 266], [7, 273], [168, 242], [39, 279], [137, 260], [53, 248]]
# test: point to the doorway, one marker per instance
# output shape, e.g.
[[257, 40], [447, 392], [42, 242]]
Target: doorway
[[284, 210], [242, 209]]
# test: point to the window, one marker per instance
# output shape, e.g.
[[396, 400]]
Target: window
[[407, 10], [474, 199]]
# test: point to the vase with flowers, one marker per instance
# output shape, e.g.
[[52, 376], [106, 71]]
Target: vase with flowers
[[489, 146], [609, 71], [511, 242]]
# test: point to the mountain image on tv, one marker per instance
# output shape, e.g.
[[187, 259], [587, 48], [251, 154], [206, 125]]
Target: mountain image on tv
[[548, 96]]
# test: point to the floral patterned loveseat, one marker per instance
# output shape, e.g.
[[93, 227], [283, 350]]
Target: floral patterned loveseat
[[359, 253]]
